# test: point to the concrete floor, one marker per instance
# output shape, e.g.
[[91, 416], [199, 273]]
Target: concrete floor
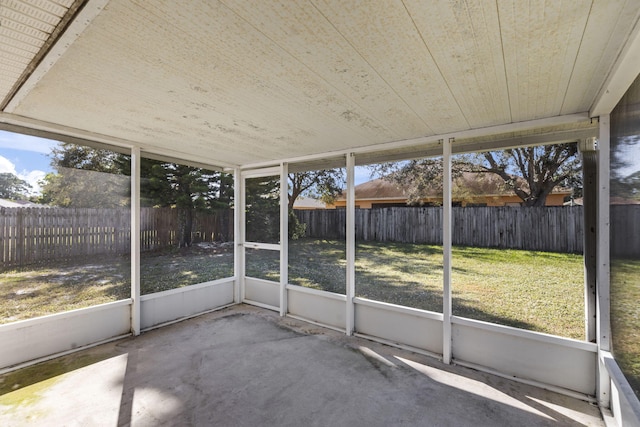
[[246, 366]]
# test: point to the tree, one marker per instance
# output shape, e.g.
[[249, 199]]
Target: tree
[[13, 188], [186, 188], [99, 178], [87, 177], [73, 156], [542, 167], [625, 166], [262, 203], [418, 178], [531, 172], [324, 184]]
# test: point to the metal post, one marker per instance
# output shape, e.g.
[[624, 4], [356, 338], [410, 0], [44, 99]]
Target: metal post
[[603, 273], [351, 244], [242, 203], [590, 202], [135, 241], [284, 237], [238, 264], [446, 251]]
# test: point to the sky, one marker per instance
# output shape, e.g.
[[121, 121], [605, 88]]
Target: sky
[[362, 174], [25, 156], [28, 158]]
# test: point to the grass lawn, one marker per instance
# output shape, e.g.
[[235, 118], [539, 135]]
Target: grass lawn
[[533, 290], [40, 290], [538, 291], [625, 318]]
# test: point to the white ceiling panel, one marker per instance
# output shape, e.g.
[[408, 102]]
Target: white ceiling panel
[[25, 28], [541, 40], [242, 82], [607, 31], [385, 35], [468, 52]]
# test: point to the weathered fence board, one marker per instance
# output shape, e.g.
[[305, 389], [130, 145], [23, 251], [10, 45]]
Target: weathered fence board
[[35, 235], [551, 229], [625, 225]]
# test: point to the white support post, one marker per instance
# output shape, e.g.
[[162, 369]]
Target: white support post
[[284, 236], [351, 244], [446, 251], [238, 226], [603, 262], [589, 157], [135, 241]]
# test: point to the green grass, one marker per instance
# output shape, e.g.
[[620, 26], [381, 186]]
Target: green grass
[[532, 290], [537, 291], [183, 267], [40, 290], [37, 291], [625, 318], [262, 264]]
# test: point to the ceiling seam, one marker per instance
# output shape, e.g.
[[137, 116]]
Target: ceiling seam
[[612, 69], [436, 63], [371, 66], [479, 84], [309, 105], [504, 62], [575, 60], [305, 65], [538, 67]]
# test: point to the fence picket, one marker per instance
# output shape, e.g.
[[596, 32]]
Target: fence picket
[[36, 235], [553, 229]]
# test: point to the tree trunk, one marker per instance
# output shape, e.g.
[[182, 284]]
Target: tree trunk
[[185, 225]]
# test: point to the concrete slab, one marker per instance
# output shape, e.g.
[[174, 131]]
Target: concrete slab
[[246, 366]]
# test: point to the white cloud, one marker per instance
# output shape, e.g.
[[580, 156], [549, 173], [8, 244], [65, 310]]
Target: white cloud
[[6, 166], [32, 177], [18, 141]]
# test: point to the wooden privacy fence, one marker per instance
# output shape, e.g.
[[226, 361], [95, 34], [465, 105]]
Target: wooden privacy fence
[[625, 229], [551, 229], [159, 227], [37, 235]]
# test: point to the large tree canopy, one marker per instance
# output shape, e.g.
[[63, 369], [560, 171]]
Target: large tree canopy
[[98, 178], [417, 178], [324, 184], [625, 168], [187, 188], [86, 177], [262, 215], [531, 172], [13, 188], [542, 167]]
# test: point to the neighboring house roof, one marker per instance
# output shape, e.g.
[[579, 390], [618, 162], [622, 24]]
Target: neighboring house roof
[[615, 200], [469, 183], [308, 203], [378, 189], [4, 203]]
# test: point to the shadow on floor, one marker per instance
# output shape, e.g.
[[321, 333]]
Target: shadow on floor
[[245, 366]]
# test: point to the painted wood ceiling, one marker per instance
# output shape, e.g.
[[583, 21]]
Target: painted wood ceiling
[[237, 82]]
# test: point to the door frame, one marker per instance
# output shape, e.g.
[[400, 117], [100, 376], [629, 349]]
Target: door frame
[[281, 247]]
